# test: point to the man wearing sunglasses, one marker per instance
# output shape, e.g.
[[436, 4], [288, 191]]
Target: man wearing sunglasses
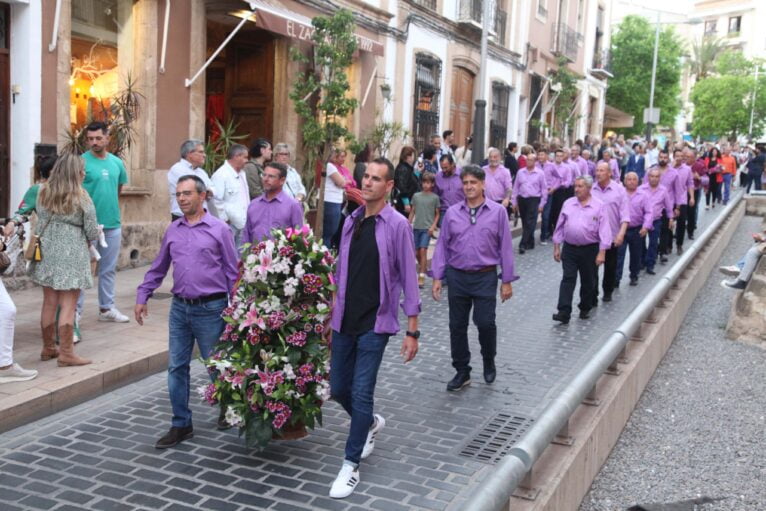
[[475, 239], [375, 264]]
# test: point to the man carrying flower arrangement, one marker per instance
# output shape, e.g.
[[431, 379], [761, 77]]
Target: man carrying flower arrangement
[[374, 266], [201, 248], [273, 209]]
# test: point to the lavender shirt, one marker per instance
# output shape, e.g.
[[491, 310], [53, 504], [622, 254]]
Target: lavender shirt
[[552, 178], [583, 224], [582, 166], [672, 182], [614, 167], [591, 168], [263, 215], [641, 209], [497, 183], [469, 247], [396, 249], [615, 199], [686, 179], [566, 174], [660, 199], [204, 260], [530, 184], [449, 189]]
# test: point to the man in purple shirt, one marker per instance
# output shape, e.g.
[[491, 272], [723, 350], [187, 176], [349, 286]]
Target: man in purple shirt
[[552, 181], [698, 170], [687, 199], [583, 229], [475, 239], [561, 183], [272, 210], [579, 161], [614, 166], [530, 193], [612, 194], [590, 163], [661, 203], [498, 185], [641, 218], [375, 263], [201, 248], [449, 188], [670, 179]]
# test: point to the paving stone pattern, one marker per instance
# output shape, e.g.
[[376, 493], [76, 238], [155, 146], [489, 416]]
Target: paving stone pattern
[[100, 455]]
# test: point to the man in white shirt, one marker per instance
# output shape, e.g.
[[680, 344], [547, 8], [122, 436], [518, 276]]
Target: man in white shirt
[[293, 184], [230, 190], [191, 162]]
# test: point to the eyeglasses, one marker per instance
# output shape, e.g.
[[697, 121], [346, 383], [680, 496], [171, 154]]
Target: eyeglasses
[[283, 154]]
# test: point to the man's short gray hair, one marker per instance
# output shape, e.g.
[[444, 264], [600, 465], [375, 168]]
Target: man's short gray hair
[[493, 150], [587, 179], [189, 146], [235, 150], [281, 148]]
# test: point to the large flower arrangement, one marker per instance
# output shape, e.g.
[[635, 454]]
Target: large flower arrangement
[[272, 361]]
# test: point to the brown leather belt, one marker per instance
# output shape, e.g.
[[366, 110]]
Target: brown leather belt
[[486, 269]]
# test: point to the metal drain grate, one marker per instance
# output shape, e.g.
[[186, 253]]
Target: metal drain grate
[[496, 438]]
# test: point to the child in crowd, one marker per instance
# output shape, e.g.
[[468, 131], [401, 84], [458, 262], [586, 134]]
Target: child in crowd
[[424, 217]]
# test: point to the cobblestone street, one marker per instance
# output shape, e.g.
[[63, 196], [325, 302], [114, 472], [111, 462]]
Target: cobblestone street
[[100, 455]]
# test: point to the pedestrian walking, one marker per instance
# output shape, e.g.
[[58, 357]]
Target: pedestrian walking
[[580, 242], [509, 159], [676, 190], [699, 171], [729, 170], [579, 161], [105, 176], [406, 182], [641, 215], [713, 163], [755, 169], [191, 162], [272, 210], [530, 193], [591, 164], [498, 186], [560, 179], [448, 186], [230, 190], [661, 201], [552, 181], [612, 162], [686, 199], [637, 161], [66, 223], [424, 218], [374, 266], [475, 239], [615, 200], [201, 249]]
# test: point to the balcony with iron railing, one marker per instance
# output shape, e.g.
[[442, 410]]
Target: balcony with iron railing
[[602, 66], [564, 41], [470, 13]]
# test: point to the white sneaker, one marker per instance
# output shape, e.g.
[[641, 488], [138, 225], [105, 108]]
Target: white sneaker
[[731, 271], [376, 428], [344, 484], [113, 315], [16, 373]]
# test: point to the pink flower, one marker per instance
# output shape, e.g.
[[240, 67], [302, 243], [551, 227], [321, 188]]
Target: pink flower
[[252, 318], [297, 339]]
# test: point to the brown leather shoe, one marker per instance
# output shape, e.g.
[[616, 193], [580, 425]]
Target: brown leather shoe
[[66, 353], [49, 343]]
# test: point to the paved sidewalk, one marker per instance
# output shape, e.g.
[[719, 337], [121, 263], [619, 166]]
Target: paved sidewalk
[[100, 455]]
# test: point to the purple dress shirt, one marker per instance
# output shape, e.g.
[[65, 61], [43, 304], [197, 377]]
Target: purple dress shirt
[[396, 249], [263, 215], [582, 166], [583, 224], [700, 169], [204, 260], [449, 189], [573, 168], [615, 199], [660, 199], [469, 247], [552, 178], [530, 184], [672, 183], [497, 183], [613, 166], [641, 209], [686, 179], [591, 168]]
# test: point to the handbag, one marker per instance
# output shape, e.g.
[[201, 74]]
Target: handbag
[[34, 252], [5, 259]]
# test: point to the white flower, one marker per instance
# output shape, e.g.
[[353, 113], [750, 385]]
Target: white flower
[[251, 260], [322, 307], [290, 286], [221, 365], [299, 271], [202, 391], [288, 370], [233, 417], [323, 391]]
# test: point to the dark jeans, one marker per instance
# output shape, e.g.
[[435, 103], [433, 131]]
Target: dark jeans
[[635, 243], [666, 235], [528, 207], [466, 290], [202, 322], [609, 278], [354, 362], [650, 256], [559, 196], [713, 191], [754, 180], [330, 222], [578, 259], [545, 229], [681, 222], [692, 213]]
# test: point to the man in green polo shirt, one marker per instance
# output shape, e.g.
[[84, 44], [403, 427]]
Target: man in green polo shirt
[[104, 177]]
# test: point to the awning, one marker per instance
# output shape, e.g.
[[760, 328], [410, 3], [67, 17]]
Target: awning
[[297, 26], [614, 118]]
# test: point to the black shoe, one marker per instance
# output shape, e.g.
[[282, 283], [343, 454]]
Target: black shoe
[[617, 284], [460, 380], [650, 271], [663, 259], [174, 437], [634, 281], [222, 425], [521, 250], [607, 298], [585, 314], [680, 250], [691, 236], [490, 373], [561, 318]]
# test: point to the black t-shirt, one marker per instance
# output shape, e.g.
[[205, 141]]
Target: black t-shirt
[[363, 284]]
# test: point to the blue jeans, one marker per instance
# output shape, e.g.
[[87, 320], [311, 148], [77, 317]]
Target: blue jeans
[[202, 322], [107, 270], [633, 242], [654, 240], [545, 233], [331, 221], [355, 360], [726, 188]]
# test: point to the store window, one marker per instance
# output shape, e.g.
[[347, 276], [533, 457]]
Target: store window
[[101, 57], [427, 90], [498, 123]]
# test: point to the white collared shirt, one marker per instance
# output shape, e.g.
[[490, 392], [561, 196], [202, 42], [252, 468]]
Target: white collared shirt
[[231, 194], [183, 168]]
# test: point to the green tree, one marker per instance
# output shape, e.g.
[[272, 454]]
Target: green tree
[[734, 63], [632, 50], [704, 55], [319, 94]]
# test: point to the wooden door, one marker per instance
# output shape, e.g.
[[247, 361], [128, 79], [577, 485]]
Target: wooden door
[[249, 86], [5, 112], [461, 104]]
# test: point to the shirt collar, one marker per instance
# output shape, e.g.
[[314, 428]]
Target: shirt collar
[[384, 214], [206, 219], [465, 207], [186, 163], [280, 197]]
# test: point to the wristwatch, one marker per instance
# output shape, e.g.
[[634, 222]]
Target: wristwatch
[[414, 335]]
